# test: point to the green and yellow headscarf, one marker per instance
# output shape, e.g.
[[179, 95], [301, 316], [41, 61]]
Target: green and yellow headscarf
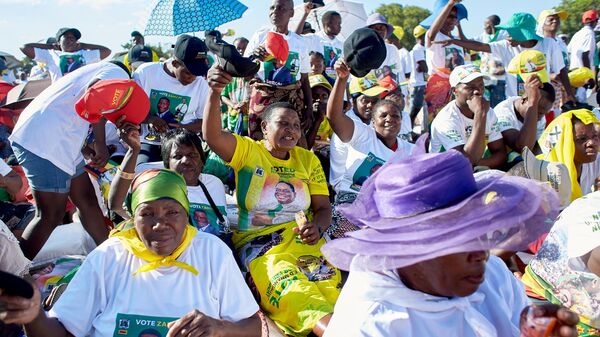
[[558, 145], [149, 186]]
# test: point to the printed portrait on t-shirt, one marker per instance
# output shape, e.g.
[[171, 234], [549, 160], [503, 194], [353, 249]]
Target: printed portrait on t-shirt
[[386, 70], [454, 57], [331, 55], [370, 165], [202, 215], [281, 205], [282, 75], [70, 62], [168, 106]]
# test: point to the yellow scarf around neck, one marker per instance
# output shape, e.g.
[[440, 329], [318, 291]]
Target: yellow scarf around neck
[[129, 238]]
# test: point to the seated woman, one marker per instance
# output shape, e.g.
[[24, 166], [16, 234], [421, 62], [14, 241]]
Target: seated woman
[[421, 266], [154, 271], [181, 151], [566, 269], [276, 180], [571, 139]]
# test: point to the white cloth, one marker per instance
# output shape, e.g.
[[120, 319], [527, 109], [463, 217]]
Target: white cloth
[[417, 54], [366, 154], [405, 60], [59, 131], [379, 304], [4, 168], [12, 259], [589, 173], [507, 117], [450, 128], [158, 85], [583, 41], [60, 63], [439, 58], [505, 52], [104, 287], [338, 151], [298, 60], [405, 126]]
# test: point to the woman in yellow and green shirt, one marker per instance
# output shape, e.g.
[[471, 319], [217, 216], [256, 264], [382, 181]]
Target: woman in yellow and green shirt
[[275, 179]]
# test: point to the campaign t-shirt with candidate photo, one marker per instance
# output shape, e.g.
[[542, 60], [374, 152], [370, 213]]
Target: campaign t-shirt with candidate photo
[[60, 63], [270, 191], [297, 63], [172, 101], [442, 59]]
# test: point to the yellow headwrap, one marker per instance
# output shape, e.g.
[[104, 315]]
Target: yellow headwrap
[[146, 187], [558, 145]]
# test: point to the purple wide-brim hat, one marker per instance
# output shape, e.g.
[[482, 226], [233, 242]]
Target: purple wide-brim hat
[[431, 205], [377, 18]]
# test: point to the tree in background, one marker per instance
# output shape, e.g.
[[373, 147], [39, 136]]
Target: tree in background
[[575, 8], [407, 17]]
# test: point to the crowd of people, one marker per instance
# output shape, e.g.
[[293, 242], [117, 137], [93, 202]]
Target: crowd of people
[[297, 183]]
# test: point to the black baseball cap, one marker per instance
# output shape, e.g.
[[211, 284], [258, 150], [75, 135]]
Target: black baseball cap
[[139, 54], [62, 32], [364, 50], [136, 33], [228, 56], [307, 28], [316, 3], [15, 286], [192, 52]]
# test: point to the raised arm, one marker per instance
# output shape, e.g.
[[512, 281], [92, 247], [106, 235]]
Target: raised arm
[[468, 44], [342, 125], [104, 51], [308, 6], [221, 142], [475, 146], [438, 23], [130, 134], [28, 49], [526, 137]]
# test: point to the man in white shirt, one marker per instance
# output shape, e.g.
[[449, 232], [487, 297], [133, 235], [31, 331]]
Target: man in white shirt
[[582, 48], [521, 29], [468, 124], [297, 66], [47, 142], [417, 74], [177, 92], [490, 65], [67, 55]]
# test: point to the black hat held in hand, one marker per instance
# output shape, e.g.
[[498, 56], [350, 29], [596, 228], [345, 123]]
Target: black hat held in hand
[[229, 58], [364, 50]]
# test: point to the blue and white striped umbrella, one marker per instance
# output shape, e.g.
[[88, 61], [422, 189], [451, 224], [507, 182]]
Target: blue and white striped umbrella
[[174, 17]]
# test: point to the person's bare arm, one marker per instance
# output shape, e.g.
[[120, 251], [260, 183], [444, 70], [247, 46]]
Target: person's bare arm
[[28, 49], [308, 6], [518, 139], [195, 126], [593, 261], [564, 79], [221, 142], [12, 183], [101, 154], [201, 325], [497, 157], [308, 101], [130, 134], [321, 208], [468, 44], [439, 22], [342, 125], [104, 51], [475, 145]]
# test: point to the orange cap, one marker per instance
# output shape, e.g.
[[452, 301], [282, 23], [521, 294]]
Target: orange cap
[[113, 99]]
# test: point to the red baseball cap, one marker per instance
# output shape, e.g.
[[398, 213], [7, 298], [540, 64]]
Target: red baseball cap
[[277, 46], [589, 16], [113, 99]]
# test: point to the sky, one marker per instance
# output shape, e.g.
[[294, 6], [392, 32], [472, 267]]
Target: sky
[[109, 22]]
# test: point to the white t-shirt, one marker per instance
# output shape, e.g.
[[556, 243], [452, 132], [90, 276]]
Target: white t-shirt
[[450, 128], [330, 48], [105, 297], [338, 151], [441, 60], [392, 65], [589, 173], [489, 63], [50, 127], [169, 99], [584, 40], [507, 117], [505, 52], [298, 61], [417, 54], [201, 214], [378, 304], [366, 154], [60, 63]]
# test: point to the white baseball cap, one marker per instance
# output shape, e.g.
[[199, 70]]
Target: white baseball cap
[[465, 74]]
